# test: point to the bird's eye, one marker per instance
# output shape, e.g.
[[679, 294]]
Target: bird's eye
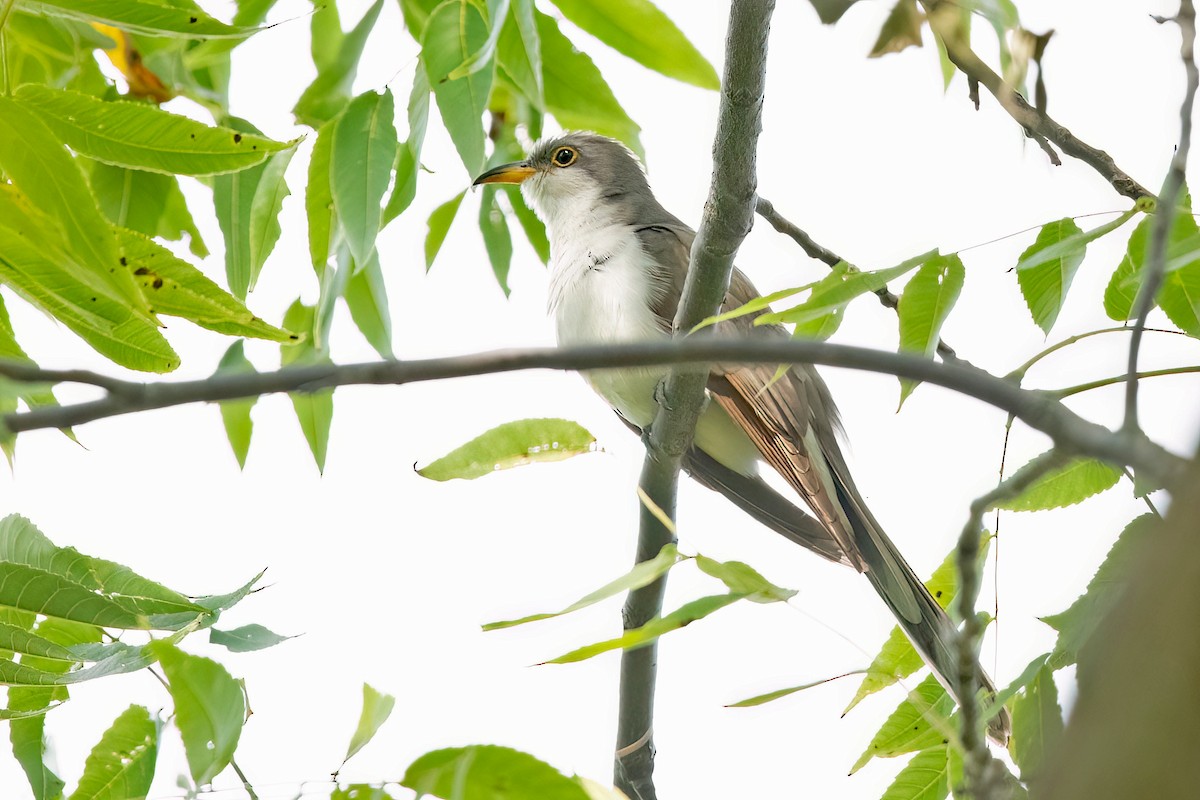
[[565, 156]]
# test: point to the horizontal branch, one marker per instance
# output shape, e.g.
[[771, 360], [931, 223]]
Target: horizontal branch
[[1039, 410]]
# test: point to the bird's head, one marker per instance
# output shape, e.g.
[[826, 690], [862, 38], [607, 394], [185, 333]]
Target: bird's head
[[578, 174]]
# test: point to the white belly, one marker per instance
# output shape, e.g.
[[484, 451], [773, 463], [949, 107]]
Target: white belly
[[601, 295]]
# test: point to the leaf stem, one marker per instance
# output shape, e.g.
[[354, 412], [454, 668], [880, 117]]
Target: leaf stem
[[1122, 378], [1018, 374]]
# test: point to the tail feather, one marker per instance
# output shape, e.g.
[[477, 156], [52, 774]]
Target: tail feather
[[931, 632]]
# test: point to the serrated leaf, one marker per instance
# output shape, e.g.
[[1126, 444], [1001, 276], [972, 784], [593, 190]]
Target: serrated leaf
[[839, 287], [247, 205], [920, 722], [121, 765], [439, 225], [1126, 281], [408, 158], [488, 772], [901, 30], [496, 238], [146, 202], [235, 414], [643, 574], [330, 90], [659, 626], [314, 410], [366, 297], [151, 17], [176, 288], [1037, 725], [924, 306], [377, 707], [143, 136], [639, 30], [743, 579], [898, 658], [512, 444], [246, 639], [318, 199], [454, 31], [1020, 682], [925, 777], [575, 91], [210, 709], [1076, 624], [1047, 268], [363, 152], [1069, 484]]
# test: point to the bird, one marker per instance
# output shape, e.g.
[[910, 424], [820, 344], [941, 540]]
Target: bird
[[618, 263]]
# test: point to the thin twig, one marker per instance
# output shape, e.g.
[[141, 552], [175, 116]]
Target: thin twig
[[1122, 378], [728, 217], [887, 298], [942, 15], [1156, 255], [983, 773], [1018, 374], [1039, 410], [245, 781]]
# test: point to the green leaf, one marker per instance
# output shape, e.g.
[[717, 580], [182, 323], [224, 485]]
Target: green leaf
[[146, 202], [33, 395], [1071, 483], [496, 238], [1047, 267], [512, 444], [1020, 682], [488, 772], [1076, 625], [247, 205], [235, 414], [18, 640], [366, 297], [143, 136], [26, 735], [210, 709], [1126, 281], [330, 91], [643, 573], [743, 579], [363, 152], [176, 288], [839, 287], [898, 658], [920, 722], [45, 174], [575, 91], [830, 11], [535, 230], [754, 306], [34, 263], [638, 29], [659, 626], [926, 777], [519, 51], [152, 17], [318, 199], [901, 30], [769, 697], [408, 158], [121, 765], [1037, 725], [377, 707], [925, 305], [246, 639], [314, 410], [455, 30], [439, 225]]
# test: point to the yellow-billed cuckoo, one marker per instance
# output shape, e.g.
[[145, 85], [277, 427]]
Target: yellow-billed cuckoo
[[619, 261]]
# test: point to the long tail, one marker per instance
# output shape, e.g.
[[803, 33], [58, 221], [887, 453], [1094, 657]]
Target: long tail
[[930, 629], [918, 614]]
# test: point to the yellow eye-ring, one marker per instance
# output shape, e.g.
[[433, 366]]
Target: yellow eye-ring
[[565, 156]]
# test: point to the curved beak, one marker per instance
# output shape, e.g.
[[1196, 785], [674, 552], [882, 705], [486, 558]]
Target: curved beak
[[506, 173]]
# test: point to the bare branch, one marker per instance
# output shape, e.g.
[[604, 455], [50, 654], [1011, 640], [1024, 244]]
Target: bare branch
[[1039, 410], [767, 211], [1156, 255], [942, 15], [728, 217]]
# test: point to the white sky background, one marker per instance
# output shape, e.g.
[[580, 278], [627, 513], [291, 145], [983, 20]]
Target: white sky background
[[389, 576]]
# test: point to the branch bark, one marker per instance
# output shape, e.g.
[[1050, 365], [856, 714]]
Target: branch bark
[[728, 217], [943, 20], [1037, 409]]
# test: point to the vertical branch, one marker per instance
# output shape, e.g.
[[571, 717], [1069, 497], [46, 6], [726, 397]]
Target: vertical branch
[[728, 217], [1156, 256]]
